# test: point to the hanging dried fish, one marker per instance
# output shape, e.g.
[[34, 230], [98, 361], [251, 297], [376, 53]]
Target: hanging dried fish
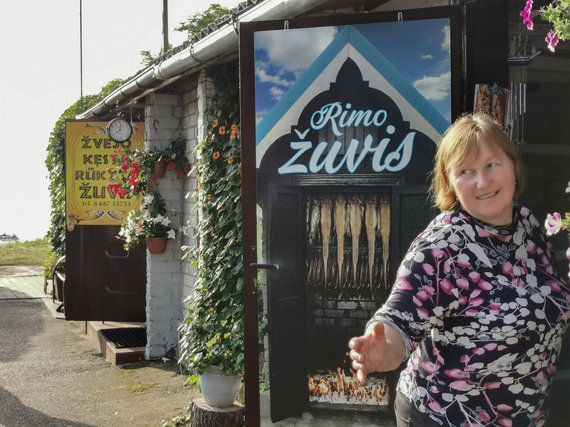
[[385, 230], [340, 226], [326, 223], [355, 220], [314, 221], [308, 209], [363, 275], [318, 271], [310, 271], [371, 223]]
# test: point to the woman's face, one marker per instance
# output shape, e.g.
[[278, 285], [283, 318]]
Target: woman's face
[[484, 184]]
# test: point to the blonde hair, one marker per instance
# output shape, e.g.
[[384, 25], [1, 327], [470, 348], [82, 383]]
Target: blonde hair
[[464, 135]]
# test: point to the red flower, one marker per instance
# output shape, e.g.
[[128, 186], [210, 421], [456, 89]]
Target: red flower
[[222, 130], [124, 166], [179, 172], [171, 166], [135, 165], [187, 169]]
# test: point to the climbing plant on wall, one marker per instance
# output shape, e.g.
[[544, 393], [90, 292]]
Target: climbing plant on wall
[[55, 165], [212, 334]]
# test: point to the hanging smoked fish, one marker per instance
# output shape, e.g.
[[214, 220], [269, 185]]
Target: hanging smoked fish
[[340, 226], [355, 220], [308, 208], [314, 221], [326, 223], [371, 223], [385, 230]]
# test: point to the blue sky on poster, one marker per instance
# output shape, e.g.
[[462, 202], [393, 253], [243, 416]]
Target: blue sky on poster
[[419, 50]]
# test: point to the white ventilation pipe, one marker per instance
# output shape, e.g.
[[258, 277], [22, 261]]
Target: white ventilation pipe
[[219, 42]]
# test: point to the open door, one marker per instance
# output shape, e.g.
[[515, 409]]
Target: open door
[[352, 111]]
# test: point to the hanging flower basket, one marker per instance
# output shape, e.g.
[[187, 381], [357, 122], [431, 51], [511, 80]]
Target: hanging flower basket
[[156, 245], [159, 169]]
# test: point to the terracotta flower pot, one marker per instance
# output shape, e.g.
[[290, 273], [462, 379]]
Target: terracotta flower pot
[[159, 169], [156, 245]]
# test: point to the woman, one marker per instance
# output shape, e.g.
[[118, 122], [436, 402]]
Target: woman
[[478, 307]]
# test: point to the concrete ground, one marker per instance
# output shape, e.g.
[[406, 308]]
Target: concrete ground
[[51, 374]]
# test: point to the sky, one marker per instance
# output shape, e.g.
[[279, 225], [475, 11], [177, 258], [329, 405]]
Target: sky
[[419, 50], [40, 78]]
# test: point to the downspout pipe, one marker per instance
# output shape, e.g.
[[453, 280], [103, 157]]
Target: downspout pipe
[[213, 45]]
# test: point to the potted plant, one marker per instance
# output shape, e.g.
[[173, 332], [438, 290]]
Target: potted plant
[[132, 168], [175, 157], [130, 171], [148, 224]]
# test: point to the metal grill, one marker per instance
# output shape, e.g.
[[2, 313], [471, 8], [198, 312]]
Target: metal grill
[[126, 337]]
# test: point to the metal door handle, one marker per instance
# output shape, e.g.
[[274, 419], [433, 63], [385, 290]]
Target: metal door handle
[[264, 266]]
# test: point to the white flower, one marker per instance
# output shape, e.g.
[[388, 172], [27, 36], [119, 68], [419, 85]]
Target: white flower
[[165, 221], [171, 234]]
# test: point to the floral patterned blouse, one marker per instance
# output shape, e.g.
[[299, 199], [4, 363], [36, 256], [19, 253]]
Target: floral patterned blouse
[[482, 311]]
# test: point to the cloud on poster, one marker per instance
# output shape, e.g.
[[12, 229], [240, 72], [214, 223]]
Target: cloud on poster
[[283, 46], [446, 44], [285, 58], [436, 88]]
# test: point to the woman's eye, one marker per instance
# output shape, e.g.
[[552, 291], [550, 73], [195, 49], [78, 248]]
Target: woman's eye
[[490, 165]]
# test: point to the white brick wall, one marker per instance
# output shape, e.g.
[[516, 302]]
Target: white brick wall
[[162, 125], [170, 281]]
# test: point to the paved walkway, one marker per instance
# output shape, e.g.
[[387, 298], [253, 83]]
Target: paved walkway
[[23, 287], [52, 375]]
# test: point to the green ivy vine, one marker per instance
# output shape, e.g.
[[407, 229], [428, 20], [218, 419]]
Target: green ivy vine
[[212, 333], [56, 169]]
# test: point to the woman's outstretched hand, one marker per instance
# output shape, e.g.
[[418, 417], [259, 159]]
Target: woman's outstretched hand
[[380, 349]]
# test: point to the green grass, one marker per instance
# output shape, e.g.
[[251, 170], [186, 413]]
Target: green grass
[[34, 252]]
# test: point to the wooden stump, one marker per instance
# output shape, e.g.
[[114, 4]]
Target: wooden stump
[[204, 415]]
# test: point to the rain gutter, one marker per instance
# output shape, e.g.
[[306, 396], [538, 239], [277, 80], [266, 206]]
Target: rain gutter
[[211, 46]]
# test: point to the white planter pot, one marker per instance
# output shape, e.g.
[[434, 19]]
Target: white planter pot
[[219, 390]]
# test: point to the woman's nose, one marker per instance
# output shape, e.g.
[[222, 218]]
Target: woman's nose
[[481, 180]]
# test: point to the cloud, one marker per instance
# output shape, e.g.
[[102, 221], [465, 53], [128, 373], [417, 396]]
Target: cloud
[[434, 88], [265, 77], [295, 49], [427, 56], [259, 115], [445, 44], [276, 92]]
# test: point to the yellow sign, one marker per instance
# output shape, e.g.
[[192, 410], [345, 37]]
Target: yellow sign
[[88, 151]]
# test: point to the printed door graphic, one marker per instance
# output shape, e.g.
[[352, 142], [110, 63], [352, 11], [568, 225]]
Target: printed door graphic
[[285, 291]]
